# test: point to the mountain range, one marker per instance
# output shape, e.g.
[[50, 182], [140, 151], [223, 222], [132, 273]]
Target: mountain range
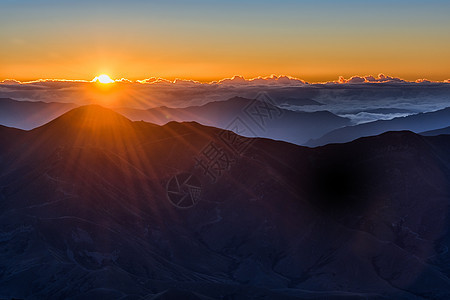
[[440, 131], [30, 114], [255, 118], [417, 123], [94, 205], [247, 117]]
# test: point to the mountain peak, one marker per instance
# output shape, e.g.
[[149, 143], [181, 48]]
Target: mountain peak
[[92, 125], [90, 117]]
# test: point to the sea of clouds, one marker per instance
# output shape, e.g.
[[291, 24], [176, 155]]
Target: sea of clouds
[[362, 99]]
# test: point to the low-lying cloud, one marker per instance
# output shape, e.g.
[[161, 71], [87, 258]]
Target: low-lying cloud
[[355, 93]]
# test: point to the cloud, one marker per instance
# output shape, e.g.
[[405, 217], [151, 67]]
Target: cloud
[[370, 79], [233, 80], [267, 80], [354, 79], [156, 91], [154, 80], [365, 117], [123, 80], [184, 82], [237, 80], [423, 80], [10, 81]]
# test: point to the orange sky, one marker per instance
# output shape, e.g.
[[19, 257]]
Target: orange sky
[[207, 42]]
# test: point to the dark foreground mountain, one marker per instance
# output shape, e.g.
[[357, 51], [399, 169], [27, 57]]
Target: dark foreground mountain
[[249, 117], [96, 206], [416, 123]]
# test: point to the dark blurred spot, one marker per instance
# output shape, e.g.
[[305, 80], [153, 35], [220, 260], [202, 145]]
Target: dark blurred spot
[[337, 186]]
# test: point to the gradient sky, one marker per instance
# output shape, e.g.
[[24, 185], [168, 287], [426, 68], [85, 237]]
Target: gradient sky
[[209, 40]]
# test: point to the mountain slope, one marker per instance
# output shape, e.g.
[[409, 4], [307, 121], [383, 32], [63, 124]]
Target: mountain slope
[[88, 210], [416, 123]]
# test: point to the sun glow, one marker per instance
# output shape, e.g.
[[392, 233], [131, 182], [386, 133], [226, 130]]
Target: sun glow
[[103, 78]]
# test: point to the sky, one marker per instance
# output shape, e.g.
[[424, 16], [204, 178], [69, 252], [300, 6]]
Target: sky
[[210, 40]]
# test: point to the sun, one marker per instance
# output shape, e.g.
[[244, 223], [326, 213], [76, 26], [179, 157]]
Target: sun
[[103, 78]]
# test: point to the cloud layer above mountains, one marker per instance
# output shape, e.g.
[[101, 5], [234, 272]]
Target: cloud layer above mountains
[[240, 80], [349, 97]]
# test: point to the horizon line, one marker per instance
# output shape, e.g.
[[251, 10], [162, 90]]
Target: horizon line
[[281, 78]]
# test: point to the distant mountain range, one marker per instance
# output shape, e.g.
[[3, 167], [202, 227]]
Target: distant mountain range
[[249, 117], [94, 205], [440, 131], [295, 101], [258, 118], [416, 123], [30, 114]]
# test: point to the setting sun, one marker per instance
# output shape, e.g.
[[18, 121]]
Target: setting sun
[[103, 78]]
